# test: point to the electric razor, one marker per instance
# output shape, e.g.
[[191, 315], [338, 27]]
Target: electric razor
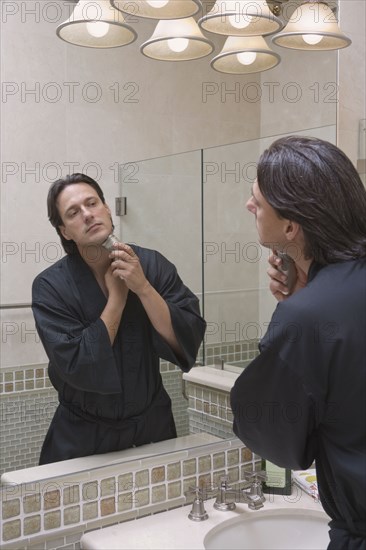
[[109, 242], [287, 268]]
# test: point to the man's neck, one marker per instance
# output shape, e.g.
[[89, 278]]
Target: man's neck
[[97, 258], [304, 264]]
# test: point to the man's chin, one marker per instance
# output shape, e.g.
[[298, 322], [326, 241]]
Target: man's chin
[[266, 244], [100, 241]]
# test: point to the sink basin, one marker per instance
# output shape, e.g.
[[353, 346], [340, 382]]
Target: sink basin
[[281, 524], [271, 530]]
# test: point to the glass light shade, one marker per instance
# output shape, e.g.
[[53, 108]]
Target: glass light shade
[[166, 43], [96, 24], [241, 18], [313, 26], [156, 9], [259, 56]]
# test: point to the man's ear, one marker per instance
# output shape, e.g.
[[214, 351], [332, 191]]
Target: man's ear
[[63, 232], [292, 230]]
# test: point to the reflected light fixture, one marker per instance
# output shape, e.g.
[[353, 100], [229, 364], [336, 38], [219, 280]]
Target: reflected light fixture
[[96, 24], [177, 40], [245, 55], [241, 18], [312, 26], [159, 9]]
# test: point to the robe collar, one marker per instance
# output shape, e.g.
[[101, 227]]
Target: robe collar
[[92, 296]]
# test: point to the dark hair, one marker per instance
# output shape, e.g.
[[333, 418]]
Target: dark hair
[[53, 214], [312, 182]]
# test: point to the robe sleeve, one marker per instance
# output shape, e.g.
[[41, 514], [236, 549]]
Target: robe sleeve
[[79, 351], [274, 409], [188, 325]]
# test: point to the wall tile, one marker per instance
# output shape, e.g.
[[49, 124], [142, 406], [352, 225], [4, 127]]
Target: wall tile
[[11, 508], [90, 511], [32, 525], [142, 497], [11, 530], [72, 515], [90, 491], [52, 520], [158, 474], [51, 499], [142, 477], [107, 506]]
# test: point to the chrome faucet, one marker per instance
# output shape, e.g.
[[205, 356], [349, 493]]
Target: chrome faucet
[[218, 363], [198, 512], [251, 493]]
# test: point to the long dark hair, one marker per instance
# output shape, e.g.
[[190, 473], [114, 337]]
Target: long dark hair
[[53, 214], [312, 182]]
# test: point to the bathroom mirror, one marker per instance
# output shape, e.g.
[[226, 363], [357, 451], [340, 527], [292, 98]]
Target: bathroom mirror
[[217, 254], [69, 109]]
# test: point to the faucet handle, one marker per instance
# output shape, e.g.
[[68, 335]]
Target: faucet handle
[[198, 512], [224, 480], [194, 491], [255, 480], [256, 476], [204, 493]]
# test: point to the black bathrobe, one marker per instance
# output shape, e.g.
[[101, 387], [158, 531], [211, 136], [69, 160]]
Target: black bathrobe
[[304, 397], [111, 397]]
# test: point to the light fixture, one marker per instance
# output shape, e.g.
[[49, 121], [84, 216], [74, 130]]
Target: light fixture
[[159, 9], [245, 55], [312, 26], [178, 37], [96, 24], [177, 40], [241, 18]]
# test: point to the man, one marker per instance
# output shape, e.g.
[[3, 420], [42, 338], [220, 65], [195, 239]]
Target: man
[[104, 319], [308, 384]]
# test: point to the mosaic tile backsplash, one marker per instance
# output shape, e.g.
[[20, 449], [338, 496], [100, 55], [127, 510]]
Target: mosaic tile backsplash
[[54, 512]]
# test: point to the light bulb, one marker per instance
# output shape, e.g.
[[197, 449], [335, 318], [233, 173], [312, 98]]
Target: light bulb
[[178, 44], [97, 28], [240, 21], [157, 3], [246, 58], [312, 38]]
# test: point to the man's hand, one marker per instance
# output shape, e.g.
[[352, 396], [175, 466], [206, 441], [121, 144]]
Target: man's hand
[[116, 287], [278, 280], [126, 266]]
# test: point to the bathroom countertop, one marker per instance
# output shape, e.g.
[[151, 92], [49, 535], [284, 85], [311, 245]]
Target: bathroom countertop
[[212, 377], [174, 530]]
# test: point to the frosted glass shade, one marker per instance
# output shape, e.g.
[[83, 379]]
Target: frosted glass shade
[[313, 26], [171, 33], [245, 55], [155, 9], [96, 24], [241, 18]]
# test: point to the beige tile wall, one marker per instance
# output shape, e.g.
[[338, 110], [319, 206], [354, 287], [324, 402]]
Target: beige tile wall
[[54, 513]]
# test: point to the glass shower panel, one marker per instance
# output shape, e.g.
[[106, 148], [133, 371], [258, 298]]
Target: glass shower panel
[[164, 211], [230, 252]]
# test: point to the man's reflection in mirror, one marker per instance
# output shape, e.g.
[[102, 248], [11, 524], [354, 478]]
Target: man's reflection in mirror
[[105, 318]]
